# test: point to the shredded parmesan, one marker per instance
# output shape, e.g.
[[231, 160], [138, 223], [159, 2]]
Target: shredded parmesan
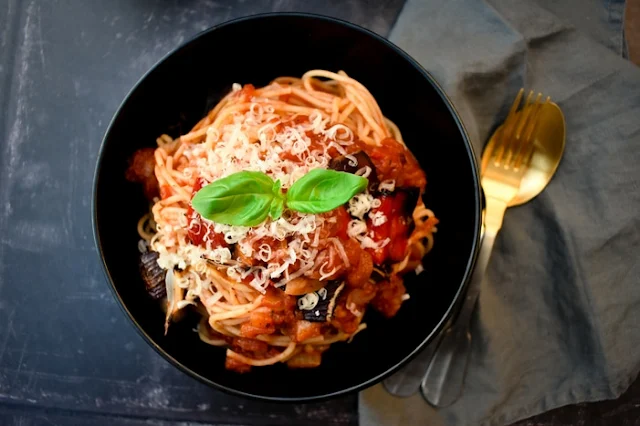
[[353, 161], [364, 171], [256, 140], [322, 293], [387, 185], [343, 255], [308, 301], [378, 218], [360, 204], [264, 253], [358, 229], [307, 266], [326, 274], [220, 255]]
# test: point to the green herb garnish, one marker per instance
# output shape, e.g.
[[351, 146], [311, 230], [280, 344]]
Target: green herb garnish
[[248, 198]]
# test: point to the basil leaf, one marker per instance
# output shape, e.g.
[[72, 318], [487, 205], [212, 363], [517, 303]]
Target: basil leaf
[[323, 190], [242, 199], [277, 204]]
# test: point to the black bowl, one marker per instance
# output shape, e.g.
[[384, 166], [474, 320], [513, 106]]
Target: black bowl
[[180, 89]]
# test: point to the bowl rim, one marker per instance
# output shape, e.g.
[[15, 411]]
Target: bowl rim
[[468, 269]]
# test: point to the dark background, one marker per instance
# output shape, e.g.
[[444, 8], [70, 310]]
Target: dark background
[[67, 353]]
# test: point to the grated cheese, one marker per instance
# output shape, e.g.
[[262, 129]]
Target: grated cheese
[[264, 254], [326, 274], [364, 171], [322, 293], [249, 142], [358, 229], [360, 204], [220, 255], [353, 161], [308, 301], [387, 185], [343, 254], [378, 218]]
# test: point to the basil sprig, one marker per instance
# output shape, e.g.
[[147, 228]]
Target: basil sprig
[[243, 198], [248, 198], [323, 190]]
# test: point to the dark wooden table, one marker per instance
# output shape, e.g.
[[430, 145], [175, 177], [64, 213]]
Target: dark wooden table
[[67, 354]]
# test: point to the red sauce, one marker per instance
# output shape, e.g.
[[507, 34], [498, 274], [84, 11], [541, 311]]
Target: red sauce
[[396, 228], [246, 93], [197, 229], [165, 192], [343, 319], [278, 314], [393, 161], [142, 170], [316, 140], [361, 265], [338, 227], [237, 366], [388, 299]]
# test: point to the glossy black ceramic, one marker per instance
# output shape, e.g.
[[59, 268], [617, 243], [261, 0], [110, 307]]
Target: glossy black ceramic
[[179, 90]]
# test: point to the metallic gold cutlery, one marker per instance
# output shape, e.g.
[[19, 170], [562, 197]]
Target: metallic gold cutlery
[[517, 164]]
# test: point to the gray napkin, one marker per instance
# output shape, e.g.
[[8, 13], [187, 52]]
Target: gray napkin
[[559, 313]]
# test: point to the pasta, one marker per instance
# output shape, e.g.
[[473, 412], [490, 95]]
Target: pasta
[[286, 289]]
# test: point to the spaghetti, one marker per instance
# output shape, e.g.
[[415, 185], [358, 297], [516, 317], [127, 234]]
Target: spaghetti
[[285, 290]]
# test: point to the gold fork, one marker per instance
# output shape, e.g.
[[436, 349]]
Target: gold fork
[[504, 163]]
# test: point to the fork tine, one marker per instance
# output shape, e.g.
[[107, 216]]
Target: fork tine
[[530, 130], [521, 139], [526, 123], [524, 154], [508, 125], [515, 134], [515, 104]]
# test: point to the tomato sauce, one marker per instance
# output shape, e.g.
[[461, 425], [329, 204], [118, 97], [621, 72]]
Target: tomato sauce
[[396, 229], [246, 93], [141, 170], [393, 161], [278, 314], [197, 229]]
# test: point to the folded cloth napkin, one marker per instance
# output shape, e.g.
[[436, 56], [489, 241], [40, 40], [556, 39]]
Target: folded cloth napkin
[[558, 320]]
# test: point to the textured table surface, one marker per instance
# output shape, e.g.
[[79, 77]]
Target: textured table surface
[[68, 356]]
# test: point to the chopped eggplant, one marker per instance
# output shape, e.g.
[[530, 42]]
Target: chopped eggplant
[[378, 274], [153, 275], [346, 163], [175, 294], [404, 198], [318, 306], [411, 199]]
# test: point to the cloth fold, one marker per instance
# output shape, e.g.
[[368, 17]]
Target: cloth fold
[[558, 319]]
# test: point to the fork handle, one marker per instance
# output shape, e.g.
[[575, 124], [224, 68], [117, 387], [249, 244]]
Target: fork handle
[[444, 379]]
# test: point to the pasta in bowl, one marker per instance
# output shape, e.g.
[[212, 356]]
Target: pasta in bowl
[[349, 220], [286, 197]]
